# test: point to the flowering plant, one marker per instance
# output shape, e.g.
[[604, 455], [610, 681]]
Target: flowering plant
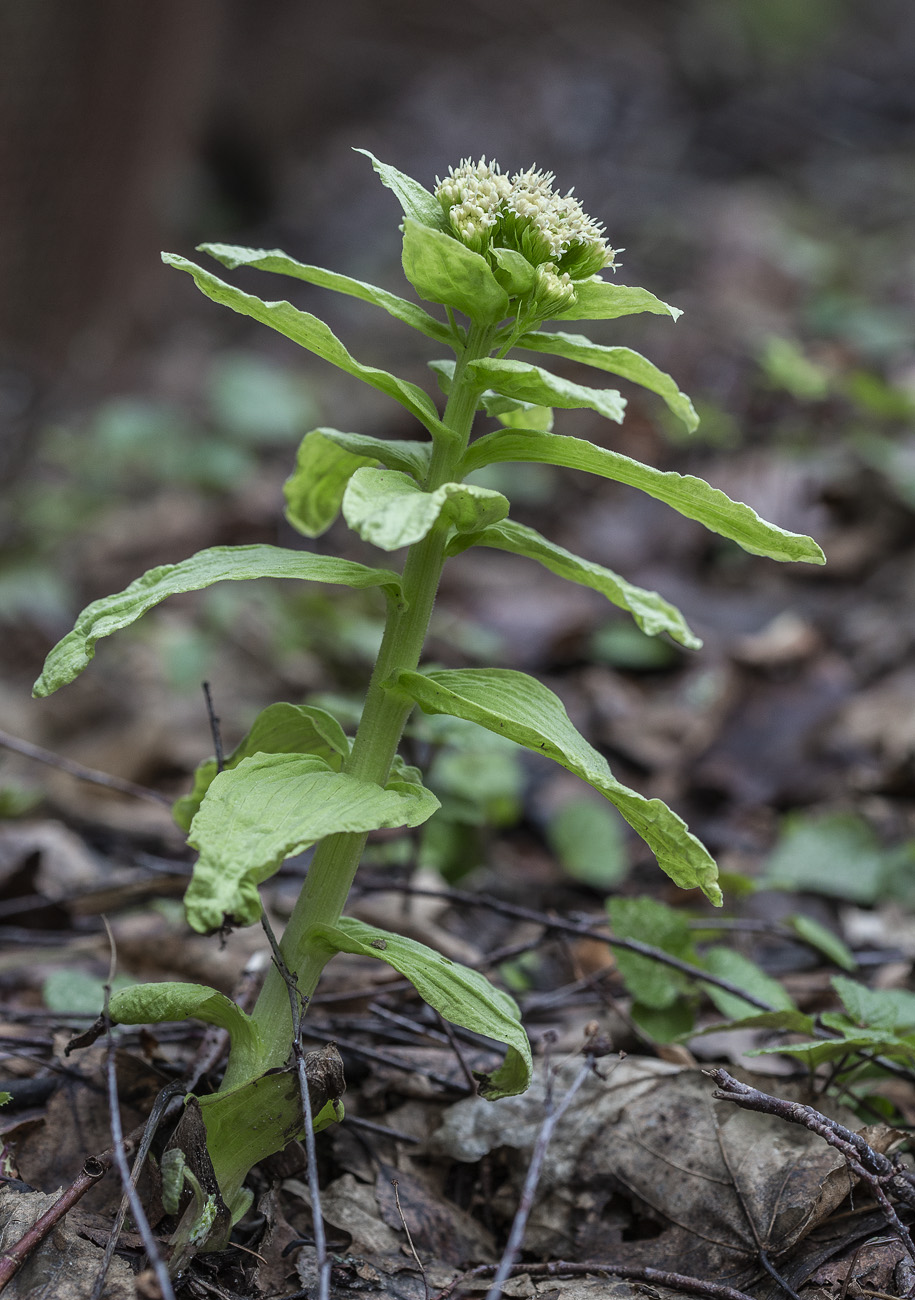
[[508, 255]]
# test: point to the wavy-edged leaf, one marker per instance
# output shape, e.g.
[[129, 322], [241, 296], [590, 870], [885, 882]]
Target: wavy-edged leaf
[[690, 496], [464, 997], [271, 806], [280, 263], [389, 510], [527, 383], [441, 269], [217, 564], [651, 612], [597, 299], [616, 361], [154, 1004], [326, 461], [309, 332], [415, 200], [279, 729], [519, 707]]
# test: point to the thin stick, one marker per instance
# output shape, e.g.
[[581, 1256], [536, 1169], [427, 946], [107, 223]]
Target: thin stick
[[456, 1048], [525, 1205], [120, 1157], [214, 727], [406, 1229], [81, 772], [311, 1153], [559, 1267]]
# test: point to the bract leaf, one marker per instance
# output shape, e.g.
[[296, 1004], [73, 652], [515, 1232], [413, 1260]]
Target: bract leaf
[[617, 361], [389, 510], [442, 269], [651, 612], [416, 201], [728, 964], [463, 996], [513, 271], [217, 564], [309, 332], [690, 496], [597, 299], [153, 1004], [326, 461], [274, 259], [527, 383], [270, 806], [279, 729], [521, 708]]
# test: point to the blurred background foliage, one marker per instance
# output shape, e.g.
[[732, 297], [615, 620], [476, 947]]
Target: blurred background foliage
[[754, 158]]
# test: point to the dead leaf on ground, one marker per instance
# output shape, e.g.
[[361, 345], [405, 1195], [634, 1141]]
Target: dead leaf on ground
[[64, 1265]]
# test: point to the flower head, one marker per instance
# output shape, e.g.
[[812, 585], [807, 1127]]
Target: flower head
[[486, 209]]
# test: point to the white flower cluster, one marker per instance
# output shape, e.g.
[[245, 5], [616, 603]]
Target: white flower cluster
[[486, 209]]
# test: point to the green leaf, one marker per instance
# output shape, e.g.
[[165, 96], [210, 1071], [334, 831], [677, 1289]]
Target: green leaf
[[823, 940], [309, 332], [837, 854], [441, 269], [270, 806], [75, 991], [515, 705], [651, 612], [279, 729], [513, 271], [730, 965], [275, 260], [788, 1022], [152, 1004], [527, 383], [416, 201], [218, 564], [618, 361], [463, 996], [587, 838], [389, 510], [650, 982], [597, 299], [882, 1009], [326, 461], [525, 416], [691, 496]]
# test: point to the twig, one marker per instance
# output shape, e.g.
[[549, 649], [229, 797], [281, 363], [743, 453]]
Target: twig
[[82, 773], [516, 1236], [214, 727], [321, 1257], [419, 1262], [120, 1156], [459, 1053], [560, 1267], [876, 1170], [160, 1106]]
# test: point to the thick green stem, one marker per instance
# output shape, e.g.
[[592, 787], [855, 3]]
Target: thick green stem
[[336, 858]]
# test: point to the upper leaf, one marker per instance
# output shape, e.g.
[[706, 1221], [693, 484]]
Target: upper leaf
[[527, 383], [691, 496], [463, 996], [617, 361], [416, 201], [270, 806], [274, 259], [597, 299], [217, 564], [521, 708], [279, 729], [309, 332], [651, 612], [389, 510], [326, 461], [442, 269]]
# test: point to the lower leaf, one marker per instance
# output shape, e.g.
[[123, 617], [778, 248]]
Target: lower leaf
[[463, 996]]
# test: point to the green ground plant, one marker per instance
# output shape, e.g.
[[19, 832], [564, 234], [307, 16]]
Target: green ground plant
[[506, 255]]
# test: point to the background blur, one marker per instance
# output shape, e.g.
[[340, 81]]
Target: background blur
[[756, 160]]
